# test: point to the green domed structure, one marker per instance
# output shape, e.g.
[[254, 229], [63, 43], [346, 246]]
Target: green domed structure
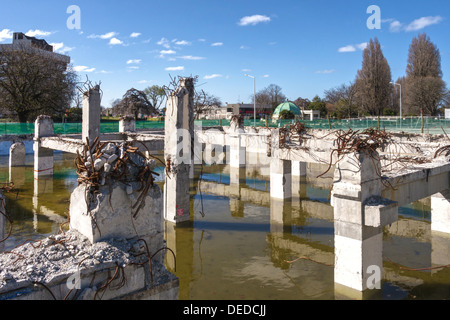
[[287, 106]]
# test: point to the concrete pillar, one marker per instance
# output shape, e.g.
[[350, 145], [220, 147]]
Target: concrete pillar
[[358, 247], [2, 223], [298, 169], [17, 155], [127, 124], [43, 158], [237, 151], [91, 114], [179, 136], [280, 179], [440, 212]]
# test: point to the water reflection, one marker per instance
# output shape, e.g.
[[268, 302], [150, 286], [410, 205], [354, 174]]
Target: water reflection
[[240, 244]]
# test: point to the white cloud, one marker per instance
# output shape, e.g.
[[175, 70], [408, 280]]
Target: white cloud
[[253, 20], [105, 36], [5, 34], [180, 68], [217, 44], [38, 33], [182, 43], [134, 61], [246, 70], [164, 52], [143, 81], [83, 69], [348, 48], [353, 48], [395, 26], [191, 58], [423, 22], [115, 41], [60, 48], [327, 71], [244, 47], [135, 34], [266, 76], [362, 46], [212, 76], [164, 42], [104, 72]]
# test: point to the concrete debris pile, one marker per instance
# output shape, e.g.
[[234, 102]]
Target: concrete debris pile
[[102, 164], [67, 267]]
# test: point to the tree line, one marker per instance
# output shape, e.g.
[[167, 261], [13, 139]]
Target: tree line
[[373, 92], [33, 83]]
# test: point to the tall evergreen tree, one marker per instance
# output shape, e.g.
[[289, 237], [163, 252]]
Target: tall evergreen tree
[[425, 89], [373, 80]]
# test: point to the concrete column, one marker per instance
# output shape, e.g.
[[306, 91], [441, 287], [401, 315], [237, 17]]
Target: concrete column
[[298, 169], [127, 124], [358, 246], [91, 114], [43, 158], [237, 151], [2, 224], [179, 136], [17, 155], [440, 212], [280, 179]]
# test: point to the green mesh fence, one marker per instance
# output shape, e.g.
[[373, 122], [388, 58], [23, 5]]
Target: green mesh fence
[[412, 125]]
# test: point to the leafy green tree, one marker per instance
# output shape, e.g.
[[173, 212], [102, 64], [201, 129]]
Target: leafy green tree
[[318, 104]]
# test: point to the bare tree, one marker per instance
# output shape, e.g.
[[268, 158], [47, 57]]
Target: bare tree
[[33, 82], [425, 89], [373, 80], [271, 95], [343, 98], [203, 102], [133, 103]]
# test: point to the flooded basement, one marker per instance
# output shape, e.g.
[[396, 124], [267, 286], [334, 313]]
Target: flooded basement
[[240, 245]]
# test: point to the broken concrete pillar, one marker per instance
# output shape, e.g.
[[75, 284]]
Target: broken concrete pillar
[[43, 157], [91, 114], [440, 212], [127, 124], [359, 214], [17, 155], [179, 136], [280, 179]]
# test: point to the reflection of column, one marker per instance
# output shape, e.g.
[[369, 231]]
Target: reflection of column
[[43, 158], [181, 242], [237, 208], [179, 136], [280, 213], [17, 176], [43, 185], [440, 250], [440, 212], [280, 179]]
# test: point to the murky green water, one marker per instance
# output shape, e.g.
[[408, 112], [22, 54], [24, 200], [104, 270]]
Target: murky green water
[[234, 248]]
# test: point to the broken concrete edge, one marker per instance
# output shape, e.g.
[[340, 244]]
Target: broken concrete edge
[[113, 269], [380, 212]]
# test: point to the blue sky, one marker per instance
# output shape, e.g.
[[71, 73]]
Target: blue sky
[[304, 46]]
